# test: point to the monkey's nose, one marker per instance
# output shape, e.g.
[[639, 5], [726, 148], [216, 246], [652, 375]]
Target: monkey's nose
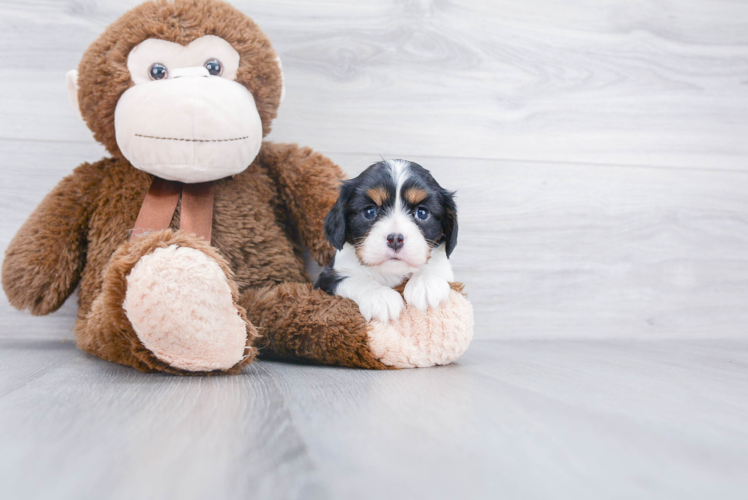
[[395, 241], [191, 71]]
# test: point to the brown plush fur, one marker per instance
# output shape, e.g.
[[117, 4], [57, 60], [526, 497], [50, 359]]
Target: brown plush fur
[[300, 324]]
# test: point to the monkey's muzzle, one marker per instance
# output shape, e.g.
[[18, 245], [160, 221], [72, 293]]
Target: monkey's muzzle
[[190, 128]]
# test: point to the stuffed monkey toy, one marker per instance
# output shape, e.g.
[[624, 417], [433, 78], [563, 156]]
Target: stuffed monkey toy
[[186, 244]]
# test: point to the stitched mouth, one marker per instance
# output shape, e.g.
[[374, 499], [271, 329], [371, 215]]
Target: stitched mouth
[[191, 140]]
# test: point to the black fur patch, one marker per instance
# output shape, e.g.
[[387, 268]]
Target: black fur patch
[[346, 222], [441, 226], [329, 279]]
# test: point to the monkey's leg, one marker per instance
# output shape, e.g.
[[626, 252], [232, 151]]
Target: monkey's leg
[[299, 324], [168, 303]]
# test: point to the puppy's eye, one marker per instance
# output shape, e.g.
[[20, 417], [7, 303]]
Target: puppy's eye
[[158, 71], [422, 214], [214, 67], [370, 213]]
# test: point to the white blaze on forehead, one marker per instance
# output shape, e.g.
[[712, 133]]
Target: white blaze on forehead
[[400, 171], [415, 250]]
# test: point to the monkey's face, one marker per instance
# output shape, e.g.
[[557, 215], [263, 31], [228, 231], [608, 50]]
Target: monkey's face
[[182, 89], [186, 119]]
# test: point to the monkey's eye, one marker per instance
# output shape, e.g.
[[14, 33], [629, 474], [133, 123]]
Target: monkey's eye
[[422, 213], [370, 213], [158, 71], [214, 67]]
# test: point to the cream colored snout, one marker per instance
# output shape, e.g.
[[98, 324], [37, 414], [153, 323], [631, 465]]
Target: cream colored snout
[[190, 127]]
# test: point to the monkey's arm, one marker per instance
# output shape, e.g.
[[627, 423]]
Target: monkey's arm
[[43, 262], [308, 183]]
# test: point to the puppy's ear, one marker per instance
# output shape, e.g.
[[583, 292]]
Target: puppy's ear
[[449, 221], [335, 226]]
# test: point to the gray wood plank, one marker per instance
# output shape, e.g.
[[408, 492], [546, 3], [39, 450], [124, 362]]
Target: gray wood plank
[[516, 419], [91, 429], [590, 251], [599, 82]]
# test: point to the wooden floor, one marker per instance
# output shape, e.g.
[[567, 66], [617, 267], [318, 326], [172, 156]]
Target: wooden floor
[[600, 156], [512, 419]]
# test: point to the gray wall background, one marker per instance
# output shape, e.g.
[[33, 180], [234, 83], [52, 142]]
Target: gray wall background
[[599, 148]]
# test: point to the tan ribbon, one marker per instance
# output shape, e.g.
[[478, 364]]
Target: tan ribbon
[[160, 203]]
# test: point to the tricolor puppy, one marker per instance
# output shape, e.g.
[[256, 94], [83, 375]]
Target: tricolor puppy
[[392, 222]]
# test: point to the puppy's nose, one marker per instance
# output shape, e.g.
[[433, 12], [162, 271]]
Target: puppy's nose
[[395, 241]]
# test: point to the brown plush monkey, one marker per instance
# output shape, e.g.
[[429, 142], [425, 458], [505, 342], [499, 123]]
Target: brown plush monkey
[[187, 242]]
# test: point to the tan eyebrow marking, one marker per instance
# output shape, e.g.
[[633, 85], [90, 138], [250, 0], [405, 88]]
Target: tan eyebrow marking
[[378, 195], [415, 195]]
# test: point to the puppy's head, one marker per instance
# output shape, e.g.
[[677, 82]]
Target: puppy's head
[[394, 213]]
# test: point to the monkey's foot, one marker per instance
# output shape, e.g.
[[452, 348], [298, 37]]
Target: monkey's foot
[[418, 339], [180, 305]]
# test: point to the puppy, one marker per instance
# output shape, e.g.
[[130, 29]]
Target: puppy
[[391, 223]]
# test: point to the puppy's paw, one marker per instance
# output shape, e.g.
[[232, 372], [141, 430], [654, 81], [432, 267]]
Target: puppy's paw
[[423, 292], [382, 303]]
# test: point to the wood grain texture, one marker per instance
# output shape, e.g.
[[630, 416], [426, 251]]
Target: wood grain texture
[[561, 419], [640, 83], [585, 251]]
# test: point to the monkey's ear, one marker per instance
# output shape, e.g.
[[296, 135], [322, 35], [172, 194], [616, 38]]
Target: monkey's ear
[[72, 84], [283, 79]]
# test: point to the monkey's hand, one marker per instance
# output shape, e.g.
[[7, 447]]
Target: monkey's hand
[[43, 262]]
